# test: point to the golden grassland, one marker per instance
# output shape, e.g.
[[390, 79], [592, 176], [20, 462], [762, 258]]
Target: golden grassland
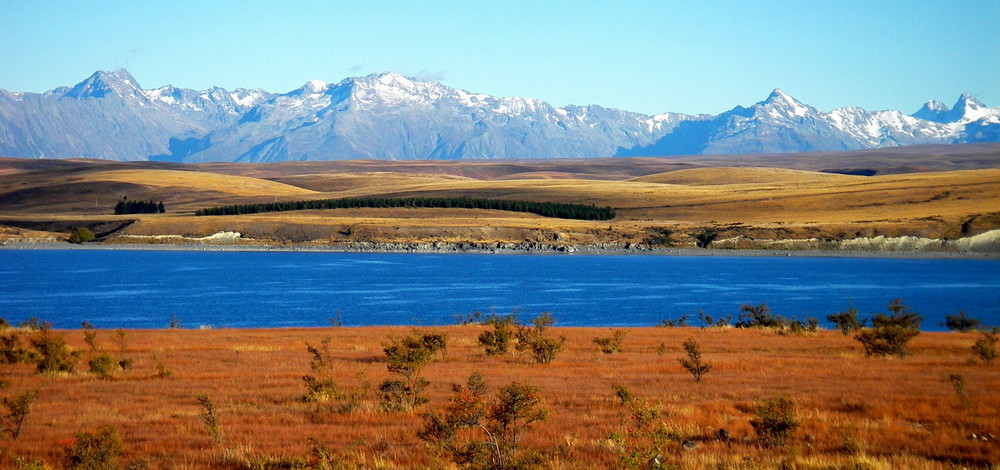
[[892, 413], [674, 199]]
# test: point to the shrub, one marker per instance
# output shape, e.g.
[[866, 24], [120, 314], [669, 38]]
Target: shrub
[[890, 334], [161, 369], [775, 421], [96, 450], [677, 322], [81, 235], [961, 322], [103, 366], [798, 327], [497, 340], [208, 417], [34, 324], [705, 238], [846, 321], [502, 421], [543, 348], [986, 346], [121, 340], [407, 357], [319, 387], [693, 363], [707, 320], [758, 316], [17, 410], [11, 349], [613, 343], [53, 354], [642, 441], [958, 382], [27, 463]]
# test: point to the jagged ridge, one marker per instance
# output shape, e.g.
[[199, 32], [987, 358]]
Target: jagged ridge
[[389, 116]]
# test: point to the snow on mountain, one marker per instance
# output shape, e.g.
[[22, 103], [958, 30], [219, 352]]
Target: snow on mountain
[[390, 116]]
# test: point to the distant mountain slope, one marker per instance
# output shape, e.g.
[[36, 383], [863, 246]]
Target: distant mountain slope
[[388, 116]]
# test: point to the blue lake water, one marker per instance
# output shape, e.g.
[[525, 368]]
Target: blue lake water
[[143, 289]]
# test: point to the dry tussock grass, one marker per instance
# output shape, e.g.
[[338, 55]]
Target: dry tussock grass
[[199, 181], [762, 203], [894, 413]]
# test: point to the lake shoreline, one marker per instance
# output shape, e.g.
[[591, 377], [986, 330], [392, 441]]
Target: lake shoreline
[[532, 249]]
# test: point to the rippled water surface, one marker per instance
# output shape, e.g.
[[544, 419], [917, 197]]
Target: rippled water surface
[[142, 289]]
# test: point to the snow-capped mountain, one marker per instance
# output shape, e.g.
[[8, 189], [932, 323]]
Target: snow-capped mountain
[[783, 124], [389, 116]]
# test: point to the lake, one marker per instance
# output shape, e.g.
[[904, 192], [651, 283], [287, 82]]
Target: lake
[[144, 289]]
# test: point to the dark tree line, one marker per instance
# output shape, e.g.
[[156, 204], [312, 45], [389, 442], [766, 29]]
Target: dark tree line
[[138, 207], [545, 209]]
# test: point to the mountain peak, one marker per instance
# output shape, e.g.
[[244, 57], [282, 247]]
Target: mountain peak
[[779, 102], [316, 86], [778, 95], [968, 101], [933, 110], [103, 83]]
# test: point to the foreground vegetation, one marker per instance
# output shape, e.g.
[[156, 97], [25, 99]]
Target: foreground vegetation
[[499, 393]]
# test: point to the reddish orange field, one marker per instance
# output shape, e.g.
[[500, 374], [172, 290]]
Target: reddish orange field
[[893, 413]]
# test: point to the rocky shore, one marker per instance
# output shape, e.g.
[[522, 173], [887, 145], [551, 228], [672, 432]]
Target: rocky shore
[[982, 246]]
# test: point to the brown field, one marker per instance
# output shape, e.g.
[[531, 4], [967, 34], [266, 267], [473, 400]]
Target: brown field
[[897, 413], [934, 192]]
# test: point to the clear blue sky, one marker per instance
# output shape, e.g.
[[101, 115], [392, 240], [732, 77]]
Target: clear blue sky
[[646, 56]]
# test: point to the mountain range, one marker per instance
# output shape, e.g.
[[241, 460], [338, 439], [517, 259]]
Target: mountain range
[[389, 116]]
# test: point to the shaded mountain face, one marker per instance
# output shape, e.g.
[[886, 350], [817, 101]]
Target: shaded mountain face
[[389, 116]]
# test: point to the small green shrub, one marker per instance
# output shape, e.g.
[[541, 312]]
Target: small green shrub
[[611, 344], [643, 439], [28, 463], [161, 371], [54, 355], [543, 348], [846, 321], [758, 316], [81, 235], [707, 320], [98, 450], [958, 382], [103, 366], [676, 322], [496, 341], [407, 357], [11, 349], [890, 334], [319, 387], [775, 421], [961, 322], [208, 417], [121, 340], [986, 346], [34, 324], [16, 411], [693, 362], [501, 422]]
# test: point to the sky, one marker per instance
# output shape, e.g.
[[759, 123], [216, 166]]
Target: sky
[[643, 56]]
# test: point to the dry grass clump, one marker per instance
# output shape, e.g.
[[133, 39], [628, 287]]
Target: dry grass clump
[[853, 411]]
